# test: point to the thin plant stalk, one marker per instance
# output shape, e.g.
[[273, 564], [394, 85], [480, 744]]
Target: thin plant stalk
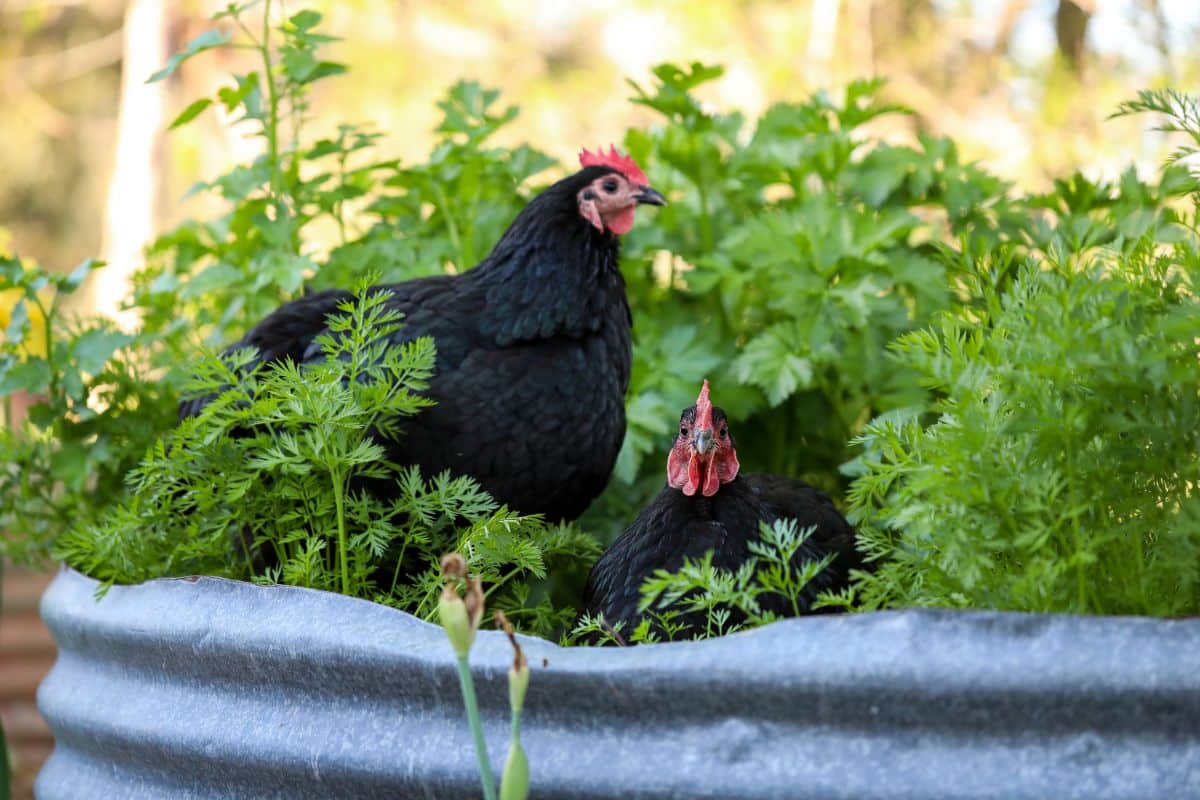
[[514, 784], [460, 618], [338, 488], [468, 693]]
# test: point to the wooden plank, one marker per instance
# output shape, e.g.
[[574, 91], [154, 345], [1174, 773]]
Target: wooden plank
[[23, 723], [26, 654], [23, 589], [25, 635], [19, 678]]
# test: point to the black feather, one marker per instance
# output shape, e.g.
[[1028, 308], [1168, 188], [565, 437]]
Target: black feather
[[533, 359], [675, 527]]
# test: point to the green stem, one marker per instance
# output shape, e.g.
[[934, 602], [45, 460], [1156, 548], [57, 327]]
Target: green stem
[[241, 537], [281, 553], [399, 562], [468, 693], [516, 727], [272, 128], [500, 581], [338, 491], [794, 596], [339, 208], [48, 317], [451, 226]]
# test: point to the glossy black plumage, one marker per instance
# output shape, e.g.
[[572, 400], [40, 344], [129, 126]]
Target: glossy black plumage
[[675, 527], [533, 358]]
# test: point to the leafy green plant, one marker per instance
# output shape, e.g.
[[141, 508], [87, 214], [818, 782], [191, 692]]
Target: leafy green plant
[[1056, 469], [266, 482], [1178, 113], [92, 409], [103, 395], [106, 395], [388, 219], [793, 251], [222, 274]]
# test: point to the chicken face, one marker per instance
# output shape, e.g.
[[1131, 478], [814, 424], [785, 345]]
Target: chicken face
[[609, 201], [703, 456]]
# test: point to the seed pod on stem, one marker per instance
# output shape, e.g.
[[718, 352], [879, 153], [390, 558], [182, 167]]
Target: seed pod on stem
[[514, 784], [460, 617]]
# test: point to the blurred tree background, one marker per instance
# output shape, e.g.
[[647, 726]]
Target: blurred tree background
[[1024, 86]]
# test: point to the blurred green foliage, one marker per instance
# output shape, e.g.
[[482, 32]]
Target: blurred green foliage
[[795, 249], [1008, 98], [98, 407]]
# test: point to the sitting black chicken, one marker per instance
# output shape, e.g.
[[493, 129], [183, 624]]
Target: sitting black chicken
[[707, 505], [537, 331]]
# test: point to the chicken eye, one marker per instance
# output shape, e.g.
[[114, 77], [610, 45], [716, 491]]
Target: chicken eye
[[589, 195], [683, 430], [610, 186], [723, 433]]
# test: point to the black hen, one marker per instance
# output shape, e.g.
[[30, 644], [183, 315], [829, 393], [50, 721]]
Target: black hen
[[708, 505], [537, 331]]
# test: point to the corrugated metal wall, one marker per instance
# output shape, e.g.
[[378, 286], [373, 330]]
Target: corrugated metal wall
[[26, 655], [211, 688]]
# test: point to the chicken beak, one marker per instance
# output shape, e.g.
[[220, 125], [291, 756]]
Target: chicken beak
[[648, 196], [702, 442]]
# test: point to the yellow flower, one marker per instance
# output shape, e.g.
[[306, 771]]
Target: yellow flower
[[35, 335]]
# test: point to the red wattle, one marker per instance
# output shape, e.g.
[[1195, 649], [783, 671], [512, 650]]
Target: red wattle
[[712, 481], [677, 469], [621, 222], [727, 466], [693, 481]]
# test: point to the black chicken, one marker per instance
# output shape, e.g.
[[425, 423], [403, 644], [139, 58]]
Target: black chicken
[[537, 331], [707, 505]]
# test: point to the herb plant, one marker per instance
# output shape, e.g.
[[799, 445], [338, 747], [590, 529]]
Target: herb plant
[[92, 409], [267, 483], [1056, 467], [793, 251], [1027, 442]]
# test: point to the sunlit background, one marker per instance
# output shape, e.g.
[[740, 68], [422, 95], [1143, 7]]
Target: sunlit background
[[87, 168], [1024, 86]]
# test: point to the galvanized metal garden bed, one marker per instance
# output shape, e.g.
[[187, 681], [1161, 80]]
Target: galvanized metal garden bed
[[213, 688]]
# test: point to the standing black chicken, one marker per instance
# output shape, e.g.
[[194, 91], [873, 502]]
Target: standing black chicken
[[707, 505], [538, 330]]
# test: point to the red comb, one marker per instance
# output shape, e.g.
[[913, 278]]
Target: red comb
[[623, 164], [703, 410]]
